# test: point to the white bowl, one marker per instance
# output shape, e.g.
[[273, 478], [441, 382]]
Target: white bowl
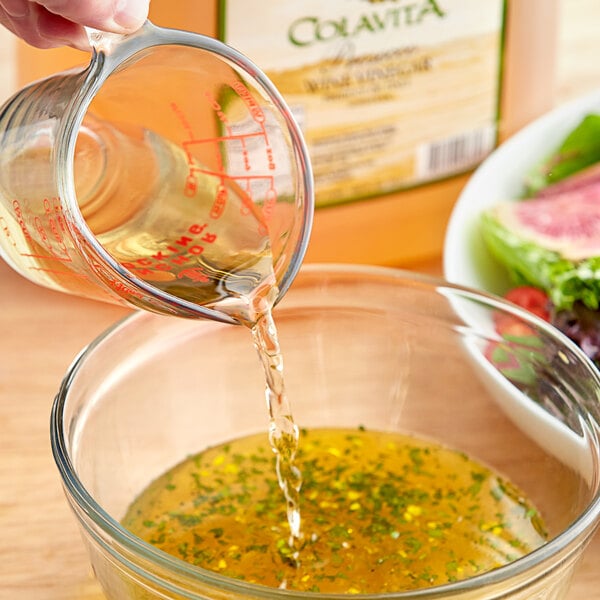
[[467, 261], [500, 177]]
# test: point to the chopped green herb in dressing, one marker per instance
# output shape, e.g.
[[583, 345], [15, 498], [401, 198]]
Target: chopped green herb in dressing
[[381, 512]]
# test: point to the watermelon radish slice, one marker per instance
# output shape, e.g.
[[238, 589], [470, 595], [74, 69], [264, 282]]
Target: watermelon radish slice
[[566, 222], [551, 240], [550, 243]]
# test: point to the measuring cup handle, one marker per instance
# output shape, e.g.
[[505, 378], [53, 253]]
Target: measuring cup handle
[[105, 41]]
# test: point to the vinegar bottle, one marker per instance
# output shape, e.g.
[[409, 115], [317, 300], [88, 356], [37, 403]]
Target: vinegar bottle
[[364, 101]]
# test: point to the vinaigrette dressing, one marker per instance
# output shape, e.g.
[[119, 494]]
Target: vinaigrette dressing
[[381, 512]]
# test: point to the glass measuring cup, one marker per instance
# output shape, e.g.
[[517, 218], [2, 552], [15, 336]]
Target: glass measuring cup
[[169, 175]]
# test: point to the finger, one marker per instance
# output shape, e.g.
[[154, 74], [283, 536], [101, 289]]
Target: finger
[[40, 28], [118, 16], [16, 8], [61, 30]]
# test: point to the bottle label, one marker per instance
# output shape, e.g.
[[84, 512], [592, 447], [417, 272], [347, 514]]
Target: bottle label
[[389, 94]]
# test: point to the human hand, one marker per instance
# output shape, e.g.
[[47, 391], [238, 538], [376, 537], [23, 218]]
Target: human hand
[[53, 23]]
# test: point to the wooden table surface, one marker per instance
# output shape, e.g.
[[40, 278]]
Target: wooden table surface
[[41, 554]]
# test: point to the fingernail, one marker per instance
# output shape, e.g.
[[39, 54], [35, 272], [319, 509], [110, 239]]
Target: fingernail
[[131, 14]]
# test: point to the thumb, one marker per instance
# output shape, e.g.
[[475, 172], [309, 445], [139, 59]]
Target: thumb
[[117, 16]]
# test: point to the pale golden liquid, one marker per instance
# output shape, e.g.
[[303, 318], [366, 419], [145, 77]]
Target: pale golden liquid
[[159, 242], [152, 208], [284, 435], [195, 236], [381, 512], [158, 237], [205, 243]]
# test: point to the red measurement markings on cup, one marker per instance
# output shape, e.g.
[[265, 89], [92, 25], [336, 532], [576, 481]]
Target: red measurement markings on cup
[[105, 275], [6, 231], [240, 184], [45, 232], [20, 217], [179, 253]]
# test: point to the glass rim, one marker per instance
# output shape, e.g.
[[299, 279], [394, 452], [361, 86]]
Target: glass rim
[[579, 530], [108, 58]]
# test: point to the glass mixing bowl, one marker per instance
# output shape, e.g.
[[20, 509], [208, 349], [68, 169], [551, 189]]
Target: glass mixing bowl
[[365, 346]]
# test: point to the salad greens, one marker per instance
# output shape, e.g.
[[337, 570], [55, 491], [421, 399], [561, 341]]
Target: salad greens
[[552, 244], [565, 281]]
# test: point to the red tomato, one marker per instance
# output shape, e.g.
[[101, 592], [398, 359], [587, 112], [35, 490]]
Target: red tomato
[[532, 299]]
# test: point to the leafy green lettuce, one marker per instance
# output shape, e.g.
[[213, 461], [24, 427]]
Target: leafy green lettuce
[[565, 281], [580, 149]]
